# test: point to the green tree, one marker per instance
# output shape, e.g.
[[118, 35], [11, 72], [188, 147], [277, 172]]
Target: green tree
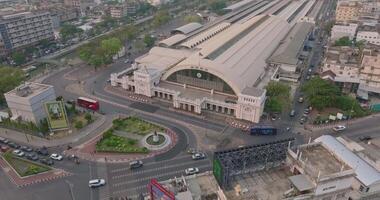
[[9, 79], [131, 32], [343, 41], [111, 46], [85, 52], [217, 6], [18, 57], [149, 40], [278, 96], [88, 117], [69, 31], [273, 105], [45, 43], [78, 124], [161, 17], [320, 93], [192, 18]]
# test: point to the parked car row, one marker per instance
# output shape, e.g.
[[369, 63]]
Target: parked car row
[[41, 154]]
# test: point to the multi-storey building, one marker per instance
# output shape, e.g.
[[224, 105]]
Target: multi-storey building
[[344, 63], [348, 11], [82, 6], [370, 72], [27, 101], [343, 30], [24, 29], [370, 34], [62, 14], [118, 11]]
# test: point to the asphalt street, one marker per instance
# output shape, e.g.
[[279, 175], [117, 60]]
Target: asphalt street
[[130, 183]]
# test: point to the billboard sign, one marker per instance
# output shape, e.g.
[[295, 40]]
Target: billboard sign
[[158, 192], [56, 115]]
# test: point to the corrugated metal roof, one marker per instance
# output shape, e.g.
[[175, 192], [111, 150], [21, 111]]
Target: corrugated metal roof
[[364, 172], [287, 52], [239, 4], [172, 40], [188, 28]]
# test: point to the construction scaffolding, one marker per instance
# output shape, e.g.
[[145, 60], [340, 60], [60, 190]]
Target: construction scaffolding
[[247, 159]]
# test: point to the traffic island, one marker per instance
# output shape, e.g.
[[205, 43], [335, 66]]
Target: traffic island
[[24, 167], [156, 141], [112, 143], [117, 146], [23, 172]]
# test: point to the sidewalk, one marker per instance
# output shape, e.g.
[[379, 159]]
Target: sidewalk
[[346, 122], [20, 137]]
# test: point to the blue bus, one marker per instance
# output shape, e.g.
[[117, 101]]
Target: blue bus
[[263, 130]]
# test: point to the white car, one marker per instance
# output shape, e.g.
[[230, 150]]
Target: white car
[[96, 183], [198, 156], [55, 156], [339, 128], [126, 61], [191, 171], [18, 153]]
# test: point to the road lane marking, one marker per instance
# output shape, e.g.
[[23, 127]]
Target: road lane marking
[[158, 168], [152, 163], [155, 176]]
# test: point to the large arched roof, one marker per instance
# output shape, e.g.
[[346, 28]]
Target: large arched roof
[[238, 54], [188, 28]]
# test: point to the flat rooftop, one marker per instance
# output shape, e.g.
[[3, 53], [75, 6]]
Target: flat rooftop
[[265, 184], [371, 151], [28, 90], [319, 159], [193, 187]]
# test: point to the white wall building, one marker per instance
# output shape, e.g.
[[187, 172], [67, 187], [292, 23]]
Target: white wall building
[[372, 37], [216, 67], [333, 170], [27, 101], [339, 31]]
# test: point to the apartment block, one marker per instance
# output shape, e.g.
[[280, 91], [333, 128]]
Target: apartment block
[[370, 34], [25, 29], [348, 11], [344, 64], [343, 30], [118, 11], [370, 72], [82, 6]]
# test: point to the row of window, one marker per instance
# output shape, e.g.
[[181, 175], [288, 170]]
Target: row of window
[[249, 100], [29, 36]]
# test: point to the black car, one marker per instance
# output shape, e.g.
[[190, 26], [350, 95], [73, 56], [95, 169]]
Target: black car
[[31, 156], [135, 164], [47, 161], [13, 145], [26, 149], [43, 151], [365, 138]]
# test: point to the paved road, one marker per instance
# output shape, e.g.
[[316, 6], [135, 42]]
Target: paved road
[[131, 183]]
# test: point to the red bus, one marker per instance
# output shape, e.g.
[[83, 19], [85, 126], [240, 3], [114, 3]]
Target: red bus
[[88, 103]]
